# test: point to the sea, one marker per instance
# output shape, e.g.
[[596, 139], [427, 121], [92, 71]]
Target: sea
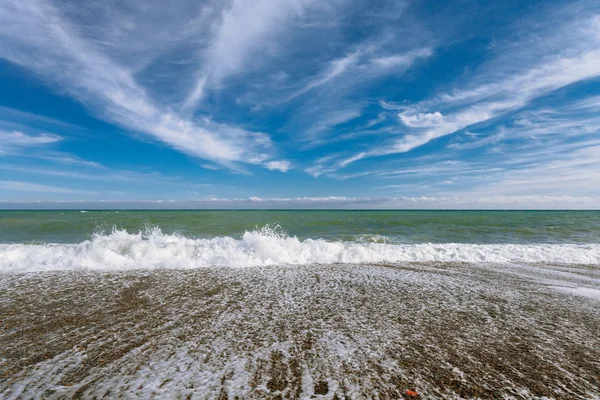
[[115, 240], [299, 304]]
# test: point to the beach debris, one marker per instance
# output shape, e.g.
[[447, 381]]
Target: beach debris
[[412, 393]]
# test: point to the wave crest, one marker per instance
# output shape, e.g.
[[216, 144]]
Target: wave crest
[[269, 245]]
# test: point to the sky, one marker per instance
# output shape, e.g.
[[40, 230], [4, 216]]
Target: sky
[[300, 104]]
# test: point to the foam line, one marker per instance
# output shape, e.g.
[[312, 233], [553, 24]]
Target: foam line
[[152, 248]]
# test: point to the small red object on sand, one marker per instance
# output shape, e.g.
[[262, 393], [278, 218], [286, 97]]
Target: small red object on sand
[[412, 393]]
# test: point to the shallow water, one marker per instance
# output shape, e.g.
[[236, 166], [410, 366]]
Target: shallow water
[[408, 227], [446, 330]]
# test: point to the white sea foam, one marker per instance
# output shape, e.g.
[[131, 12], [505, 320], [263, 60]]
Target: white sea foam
[[154, 249], [581, 291]]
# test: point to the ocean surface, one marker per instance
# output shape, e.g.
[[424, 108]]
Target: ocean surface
[[113, 240], [299, 304]]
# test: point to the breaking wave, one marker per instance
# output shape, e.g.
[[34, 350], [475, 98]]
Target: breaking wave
[[152, 248]]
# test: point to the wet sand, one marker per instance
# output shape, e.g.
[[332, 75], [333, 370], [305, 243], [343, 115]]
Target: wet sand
[[339, 331]]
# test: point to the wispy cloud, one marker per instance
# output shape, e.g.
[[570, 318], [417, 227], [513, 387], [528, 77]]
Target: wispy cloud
[[550, 161], [55, 48], [96, 173], [18, 186], [500, 87], [329, 120], [70, 160], [332, 202], [333, 69], [550, 151], [11, 117], [330, 94], [104, 61], [398, 98], [400, 62], [242, 31], [16, 141]]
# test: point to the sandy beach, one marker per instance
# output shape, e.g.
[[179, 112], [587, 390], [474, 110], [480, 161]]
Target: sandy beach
[[445, 330]]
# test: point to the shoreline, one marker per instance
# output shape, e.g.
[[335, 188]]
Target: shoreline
[[446, 330]]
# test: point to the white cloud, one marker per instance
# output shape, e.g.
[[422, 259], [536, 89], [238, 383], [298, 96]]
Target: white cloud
[[70, 160], [388, 105], [317, 170], [550, 152], [282, 165], [54, 48], [14, 141], [362, 65], [571, 169], [10, 116], [352, 159], [329, 120], [335, 202], [401, 61], [106, 66], [97, 173], [332, 100], [589, 104], [22, 139], [501, 88], [421, 120], [334, 69], [19, 186], [381, 117], [245, 28], [551, 159], [210, 167]]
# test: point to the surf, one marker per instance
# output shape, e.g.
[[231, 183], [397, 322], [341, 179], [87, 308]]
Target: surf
[[151, 248]]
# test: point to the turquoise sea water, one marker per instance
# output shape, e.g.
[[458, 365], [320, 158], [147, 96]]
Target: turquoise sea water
[[410, 227], [117, 240]]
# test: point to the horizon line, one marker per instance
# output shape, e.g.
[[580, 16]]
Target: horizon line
[[299, 209]]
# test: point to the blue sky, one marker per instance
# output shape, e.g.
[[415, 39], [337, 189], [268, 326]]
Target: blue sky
[[300, 103]]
